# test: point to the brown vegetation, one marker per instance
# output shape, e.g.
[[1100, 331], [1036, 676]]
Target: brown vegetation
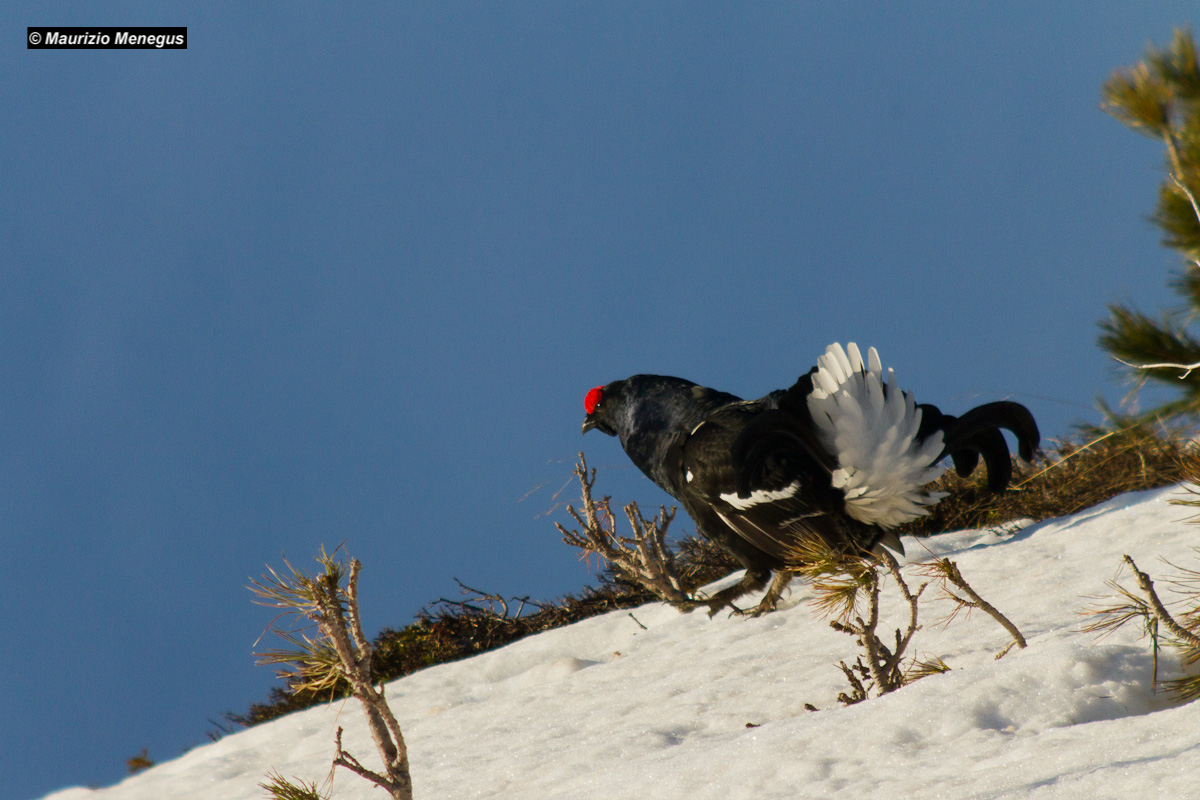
[[1075, 475]]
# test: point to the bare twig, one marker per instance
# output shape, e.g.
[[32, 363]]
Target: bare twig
[[879, 664], [948, 572], [1187, 368], [492, 600], [1164, 617], [893, 667], [869, 641], [644, 559], [1154, 615], [334, 608]]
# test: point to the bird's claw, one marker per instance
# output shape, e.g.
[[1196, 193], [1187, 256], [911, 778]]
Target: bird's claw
[[716, 606], [687, 606], [765, 607], [760, 609]]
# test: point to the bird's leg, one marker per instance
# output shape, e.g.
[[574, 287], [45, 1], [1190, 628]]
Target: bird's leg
[[753, 580], [782, 578], [689, 605]]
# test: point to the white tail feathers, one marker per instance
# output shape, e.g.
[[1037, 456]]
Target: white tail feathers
[[873, 433]]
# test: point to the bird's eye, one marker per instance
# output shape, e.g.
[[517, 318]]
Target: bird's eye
[[593, 399]]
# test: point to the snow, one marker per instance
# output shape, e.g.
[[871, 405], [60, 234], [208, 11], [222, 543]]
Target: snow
[[607, 708]]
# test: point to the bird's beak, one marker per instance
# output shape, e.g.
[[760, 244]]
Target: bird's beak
[[588, 424]]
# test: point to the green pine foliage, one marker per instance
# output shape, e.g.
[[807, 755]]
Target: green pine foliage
[[1179, 631], [1160, 98], [278, 787]]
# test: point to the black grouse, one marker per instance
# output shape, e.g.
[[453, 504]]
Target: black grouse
[[843, 454]]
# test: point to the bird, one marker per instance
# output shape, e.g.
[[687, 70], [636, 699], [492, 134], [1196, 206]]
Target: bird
[[844, 454]]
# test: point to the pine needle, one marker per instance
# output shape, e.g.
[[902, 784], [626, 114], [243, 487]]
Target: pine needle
[[280, 788], [925, 668]]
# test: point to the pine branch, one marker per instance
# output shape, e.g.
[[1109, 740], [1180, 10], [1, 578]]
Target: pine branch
[[1110, 618], [280, 788], [948, 572], [836, 577], [1160, 612], [1160, 97], [334, 608], [1138, 98], [1154, 615], [879, 663], [919, 669]]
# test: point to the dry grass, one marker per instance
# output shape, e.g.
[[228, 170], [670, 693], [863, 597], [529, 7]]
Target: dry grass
[[448, 631], [1074, 476]]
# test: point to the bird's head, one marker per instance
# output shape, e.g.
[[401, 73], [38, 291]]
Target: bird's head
[[601, 405]]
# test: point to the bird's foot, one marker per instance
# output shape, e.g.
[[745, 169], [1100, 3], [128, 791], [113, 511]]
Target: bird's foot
[[689, 605], [771, 599], [765, 607], [724, 598], [768, 604], [721, 601], [716, 606]]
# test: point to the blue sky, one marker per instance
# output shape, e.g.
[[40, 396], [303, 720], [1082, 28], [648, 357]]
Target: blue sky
[[331, 276]]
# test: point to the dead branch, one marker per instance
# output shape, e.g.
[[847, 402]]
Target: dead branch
[[644, 559], [1187, 368], [356, 666], [1160, 612], [879, 663], [893, 667], [948, 571], [492, 601], [334, 608], [858, 691]]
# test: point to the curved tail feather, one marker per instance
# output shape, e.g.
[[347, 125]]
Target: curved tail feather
[[977, 433]]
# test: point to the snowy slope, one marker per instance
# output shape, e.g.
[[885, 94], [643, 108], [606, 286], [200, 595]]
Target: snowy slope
[[607, 709]]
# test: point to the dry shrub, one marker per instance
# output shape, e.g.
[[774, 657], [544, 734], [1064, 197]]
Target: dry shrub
[[450, 630], [139, 762], [320, 624], [1075, 476]]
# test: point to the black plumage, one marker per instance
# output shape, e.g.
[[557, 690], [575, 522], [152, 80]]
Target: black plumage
[[842, 455]]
